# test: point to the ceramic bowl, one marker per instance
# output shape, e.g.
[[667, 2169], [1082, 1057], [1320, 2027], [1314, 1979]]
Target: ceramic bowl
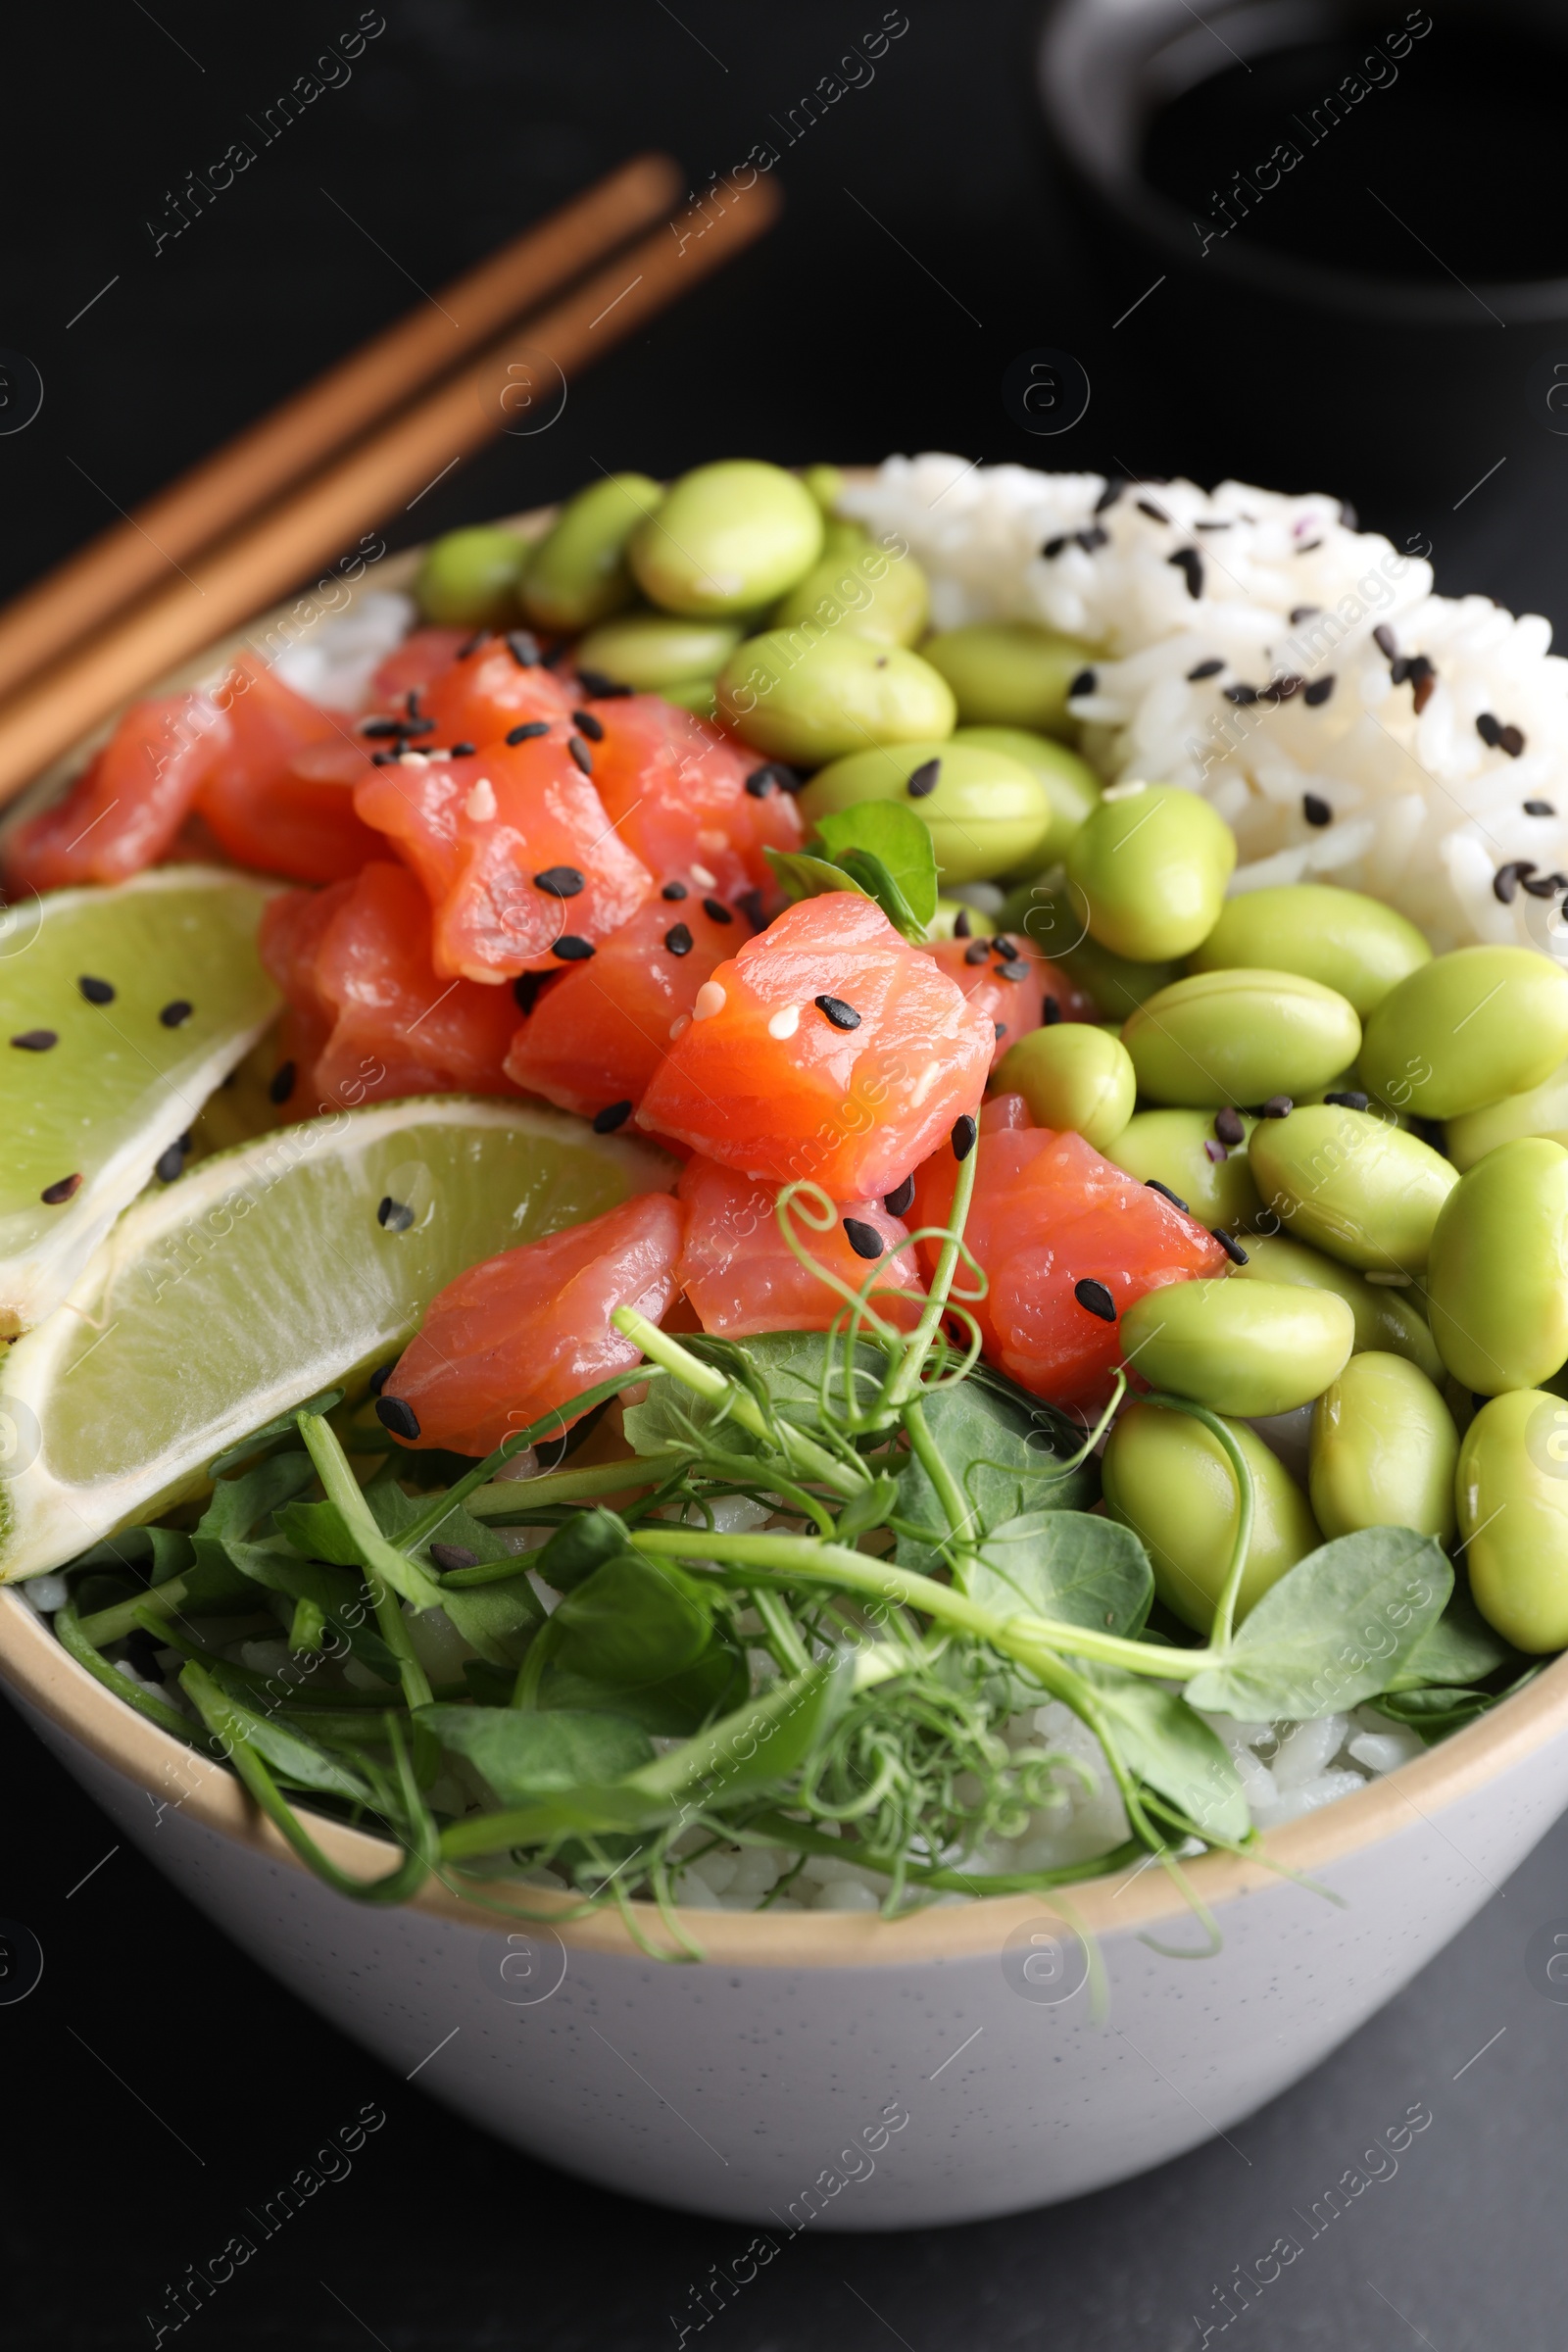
[[831, 2070]]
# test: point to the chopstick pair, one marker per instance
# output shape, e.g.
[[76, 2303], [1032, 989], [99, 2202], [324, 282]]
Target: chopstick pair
[[235, 553]]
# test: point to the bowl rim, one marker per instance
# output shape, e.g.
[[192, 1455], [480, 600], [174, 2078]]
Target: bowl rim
[[36, 1668]]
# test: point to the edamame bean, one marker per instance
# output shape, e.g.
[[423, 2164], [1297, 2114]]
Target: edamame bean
[[1177, 1149], [1239, 1037], [869, 590], [1170, 1481], [984, 810], [1385, 1318], [1512, 1494], [699, 694], [728, 538], [945, 924], [810, 699], [1466, 1029], [1247, 1347], [1383, 1452], [1347, 941], [1009, 673], [469, 579], [1072, 1076], [652, 651], [1540, 1111], [1355, 1184], [577, 572], [826, 485], [1151, 864], [1497, 1279], [1053, 921], [1070, 783]]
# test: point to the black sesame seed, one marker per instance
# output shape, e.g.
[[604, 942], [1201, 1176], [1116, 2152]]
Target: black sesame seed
[[417, 726], [1107, 496], [1084, 682], [1489, 730], [901, 1200], [1175, 1199], [1204, 669], [1053, 547], [1147, 506], [961, 925], [479, 637], [1319, 691], [863, 1239], [1507, 879], [1190, 564], [1542, 886], [1349, 1100], [717, 911], [1278, 1106], [1053, 1012], [1212, 526], [842, 1015], [572, 950], [678, 940], [749, 903], [380, 1376], [177, 1013], [1228, 1126], [280, 1084], [384, 759], [170, 1164], [1230, 1245], [1540, 809], [760, 782], [65, 1190], [674, 890], [462, 751], [96, 992], [586, 724], [453, 1555], [560, 881], [581, 754], [524, 647], [530, 728], [1384, 640], [964, 1132], [1399, 670], [381, 730], [400, 1417], [410, 704], [1002, 946], [1300, 612], [924, 780], [977, 951], [1095, 1296], [1310, 547], [1284, 687], [1093, 540], [36, 1041], [613, 1116], [1511, 740], [1316, 809], [396, 1216], [1014, 969], [1241, 694], [999, 1028], [1418, 670], [599, 688]]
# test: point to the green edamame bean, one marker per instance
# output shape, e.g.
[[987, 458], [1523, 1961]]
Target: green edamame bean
[[1239, 1037], [869, 590], [1512, 1494], [1346, 940], [810, 698], [650, 651], [577, 572], [943, 923], [1053, 921], [1539, 1111], [1383, 1452], [469, 579], [1497, 1279], [1355, 1184], [1150, 865], [1247, 1347], [1172, 1147], [1009, 673], [980, 806], [1170, 1481], [728, 538], [1466, 1029], [1072, 1076], [826, 485], [1071, 784], [700, 694], [1387, 1319]]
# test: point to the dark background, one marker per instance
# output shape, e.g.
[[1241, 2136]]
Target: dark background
[[842, 336]]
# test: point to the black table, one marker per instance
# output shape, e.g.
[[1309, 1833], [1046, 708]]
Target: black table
[[157, 2081]]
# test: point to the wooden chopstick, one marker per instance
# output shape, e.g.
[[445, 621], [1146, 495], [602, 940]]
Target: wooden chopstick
[[237, 480], [257, 563]]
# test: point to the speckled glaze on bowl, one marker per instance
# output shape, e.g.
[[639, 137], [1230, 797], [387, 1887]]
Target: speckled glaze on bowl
[[830, 2070]]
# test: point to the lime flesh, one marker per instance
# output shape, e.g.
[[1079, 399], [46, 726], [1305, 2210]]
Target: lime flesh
[[98, 1090], [264, 1275]]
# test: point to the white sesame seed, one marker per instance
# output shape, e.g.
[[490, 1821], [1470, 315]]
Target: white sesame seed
[[709, 1000], [785, 1023], [703, 878], [1123, 792], [480, 804], [679, 1026]]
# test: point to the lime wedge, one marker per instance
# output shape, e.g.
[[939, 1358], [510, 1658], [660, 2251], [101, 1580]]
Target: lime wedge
[[120, 1009], [264, 1275]]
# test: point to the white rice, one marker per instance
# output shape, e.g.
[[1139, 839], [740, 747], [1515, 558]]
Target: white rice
[[1424, 810]]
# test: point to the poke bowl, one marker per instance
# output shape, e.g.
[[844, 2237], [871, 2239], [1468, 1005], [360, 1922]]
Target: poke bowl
[[792, 1398]]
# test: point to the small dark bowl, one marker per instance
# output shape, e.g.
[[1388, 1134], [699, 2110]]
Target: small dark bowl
[[1280, 349]]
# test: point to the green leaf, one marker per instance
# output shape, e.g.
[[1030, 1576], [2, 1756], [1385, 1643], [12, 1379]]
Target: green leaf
[[524, 1755], [1006, 1449], [866, 867], [893, 841], [165, 1549], [1435, 1711], [1461, 1649], [1335, 1631], [1064, 1564], [289, 1753], [342, 1599], [631, 1624], [1165, 1744], [673, 1708], [581, 1544], [761, 1742], [805, 877], [238, 1509], [869, 1508]]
